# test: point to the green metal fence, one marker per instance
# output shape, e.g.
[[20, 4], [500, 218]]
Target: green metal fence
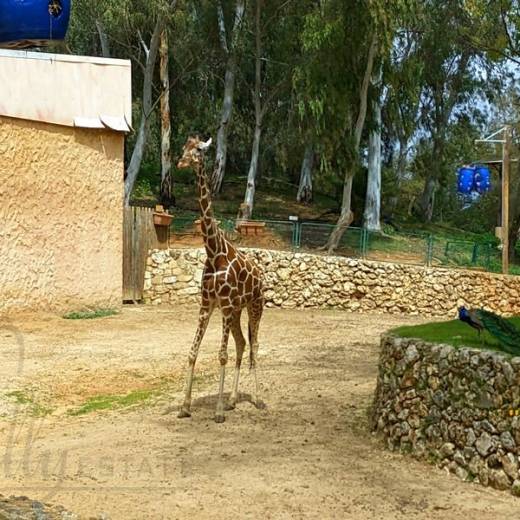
[[412, 248], [315, 235]]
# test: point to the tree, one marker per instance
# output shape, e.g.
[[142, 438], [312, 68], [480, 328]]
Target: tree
[[268, 83], [372, 216], [166, 196], [150, 53], [305, 187], [346, 216], [229, 45]]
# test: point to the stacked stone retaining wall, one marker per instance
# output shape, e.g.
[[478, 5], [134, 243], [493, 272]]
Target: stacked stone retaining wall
[[456, 407], [305, 280]]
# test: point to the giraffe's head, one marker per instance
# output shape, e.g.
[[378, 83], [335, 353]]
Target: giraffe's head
[[193, 152]]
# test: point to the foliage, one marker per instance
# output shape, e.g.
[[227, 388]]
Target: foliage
[[447, 69], [90, 315]]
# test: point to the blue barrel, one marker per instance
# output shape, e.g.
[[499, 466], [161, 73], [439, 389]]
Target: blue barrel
[[25, 23], [465, 179], [482, 179]]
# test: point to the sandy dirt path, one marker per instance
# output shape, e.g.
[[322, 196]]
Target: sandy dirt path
[[308, 455]]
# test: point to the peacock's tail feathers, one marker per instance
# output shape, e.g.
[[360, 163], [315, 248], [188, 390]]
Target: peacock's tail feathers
[[504, 331]]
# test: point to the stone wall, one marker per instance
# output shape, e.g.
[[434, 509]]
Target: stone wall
[[455, 407], [305, 280]]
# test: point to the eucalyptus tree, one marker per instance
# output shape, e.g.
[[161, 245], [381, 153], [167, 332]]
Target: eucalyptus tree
[[229, 36], [342, 41], [275, 29], [372, 214]]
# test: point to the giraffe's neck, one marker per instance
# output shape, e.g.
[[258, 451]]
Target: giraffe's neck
[[210, 231]]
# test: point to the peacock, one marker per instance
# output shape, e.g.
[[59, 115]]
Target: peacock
[[505, 332]]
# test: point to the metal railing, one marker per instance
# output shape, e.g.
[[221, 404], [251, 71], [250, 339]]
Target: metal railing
[[412, 248]]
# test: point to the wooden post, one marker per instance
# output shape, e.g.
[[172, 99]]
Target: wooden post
[[506, 168]]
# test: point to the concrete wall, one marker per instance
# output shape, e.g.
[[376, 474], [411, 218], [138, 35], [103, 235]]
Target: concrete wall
[[304, 280], [455, 407], [60, 216]]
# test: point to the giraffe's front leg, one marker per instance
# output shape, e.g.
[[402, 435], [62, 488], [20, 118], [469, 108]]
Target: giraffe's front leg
[[223, 357], [204, 315]]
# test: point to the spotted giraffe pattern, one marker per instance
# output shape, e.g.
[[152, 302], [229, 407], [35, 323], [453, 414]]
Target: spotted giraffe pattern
[[230, 281]]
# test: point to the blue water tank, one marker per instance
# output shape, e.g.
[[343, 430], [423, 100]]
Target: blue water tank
[[482, 179], [25, 23], [465, 179]]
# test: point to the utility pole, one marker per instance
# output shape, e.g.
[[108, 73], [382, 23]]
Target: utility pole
[[506, 168], [507, 143]]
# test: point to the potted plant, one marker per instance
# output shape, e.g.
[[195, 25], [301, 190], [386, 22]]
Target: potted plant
[[161, 217]]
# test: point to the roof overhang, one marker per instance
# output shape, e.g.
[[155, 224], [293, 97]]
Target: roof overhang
[[66, 90]]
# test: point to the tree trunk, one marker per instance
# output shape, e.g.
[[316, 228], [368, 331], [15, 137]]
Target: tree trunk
[[103, 39], [142, 135], [427, 200], [346, 216], [166, 161], [305, 188], [151, 57], [372, 216], [247, 207], [229, 89], [399, 176]]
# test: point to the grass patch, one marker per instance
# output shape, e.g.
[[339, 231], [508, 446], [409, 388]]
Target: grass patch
[[139, 397], [455, 333], [111, 402], [35, 409], [90, 315]]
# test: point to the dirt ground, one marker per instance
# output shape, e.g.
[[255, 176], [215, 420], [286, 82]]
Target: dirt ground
[[308, 455]]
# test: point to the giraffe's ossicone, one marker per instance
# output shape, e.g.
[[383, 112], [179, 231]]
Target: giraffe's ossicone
[[230, 281]]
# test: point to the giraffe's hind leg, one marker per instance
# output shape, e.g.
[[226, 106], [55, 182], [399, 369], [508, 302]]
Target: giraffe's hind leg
[[227, 319], [255, 310], [240, 344]]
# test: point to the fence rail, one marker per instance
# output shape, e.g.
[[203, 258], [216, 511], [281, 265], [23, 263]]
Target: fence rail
[[400, 247]]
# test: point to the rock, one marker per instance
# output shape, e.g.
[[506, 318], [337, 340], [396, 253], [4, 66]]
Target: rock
[[515, 488], [507, 441], [475, 464], [483, 475], [470, 437], [447, 450], [458, 457], [510, 464], [411, 355], [461, 473], [498, 479], [485, 444]]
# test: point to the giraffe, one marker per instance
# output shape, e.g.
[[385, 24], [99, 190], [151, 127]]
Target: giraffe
[[230, 281]]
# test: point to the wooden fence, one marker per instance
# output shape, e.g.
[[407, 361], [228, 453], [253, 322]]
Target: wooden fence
[[139, 236]]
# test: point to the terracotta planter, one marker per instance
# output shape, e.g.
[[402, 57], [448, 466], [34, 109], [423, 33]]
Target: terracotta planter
[[162, 219]]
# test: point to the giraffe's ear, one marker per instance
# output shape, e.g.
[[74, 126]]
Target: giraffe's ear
[[204, 146]]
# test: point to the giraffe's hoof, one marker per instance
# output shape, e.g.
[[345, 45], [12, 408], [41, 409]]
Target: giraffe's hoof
[[183, 413], [260, 405], [219, 419], [230, 406]]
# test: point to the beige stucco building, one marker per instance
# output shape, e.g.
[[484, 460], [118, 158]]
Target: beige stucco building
[[62, 127]]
